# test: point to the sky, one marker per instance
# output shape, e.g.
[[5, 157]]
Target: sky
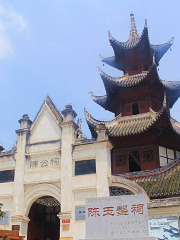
[[53, 48]]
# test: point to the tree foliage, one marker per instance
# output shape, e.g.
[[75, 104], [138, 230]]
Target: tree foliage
[[1, 212]]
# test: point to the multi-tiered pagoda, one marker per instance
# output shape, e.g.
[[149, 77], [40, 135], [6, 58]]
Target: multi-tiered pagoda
[[143, 134]]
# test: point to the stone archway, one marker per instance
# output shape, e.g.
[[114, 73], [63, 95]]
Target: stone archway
[[38, 191], [42, 206]]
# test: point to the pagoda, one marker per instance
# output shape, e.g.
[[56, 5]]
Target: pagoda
[[143, 134]]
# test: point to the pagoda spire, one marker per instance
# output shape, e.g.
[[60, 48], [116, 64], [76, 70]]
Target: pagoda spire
[[133, 31]]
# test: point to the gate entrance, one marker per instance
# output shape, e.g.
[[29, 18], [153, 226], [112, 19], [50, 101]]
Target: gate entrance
[[44, 223]]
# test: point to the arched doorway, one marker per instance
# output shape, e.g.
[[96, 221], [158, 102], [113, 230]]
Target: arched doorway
[[44, 223]]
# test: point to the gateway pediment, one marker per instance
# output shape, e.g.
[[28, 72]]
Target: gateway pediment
[[46, 126]]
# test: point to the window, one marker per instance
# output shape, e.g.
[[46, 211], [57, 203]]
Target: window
[[145, 67], [148, 156], [121, 160], [135, 109], [119, 191], [166, 156], [85, 167], [135, 66], [155, 105], [6, 176], [134, 161]]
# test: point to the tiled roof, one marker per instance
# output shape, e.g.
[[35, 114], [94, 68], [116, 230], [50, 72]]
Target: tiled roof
[[134, 37], [172, 85], [123, 126], [101, 100], [159, 183], [126, 81], [131, 125], [134, 41]]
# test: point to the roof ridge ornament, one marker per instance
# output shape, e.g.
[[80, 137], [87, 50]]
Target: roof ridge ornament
[[172, 40], [109, 35], [165, 100], [154, 59], [133, 31]]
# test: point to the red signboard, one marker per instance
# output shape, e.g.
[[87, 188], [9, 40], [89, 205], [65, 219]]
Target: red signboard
[[66, 221]]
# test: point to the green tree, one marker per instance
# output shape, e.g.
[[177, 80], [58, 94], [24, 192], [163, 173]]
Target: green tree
[[1, 212]]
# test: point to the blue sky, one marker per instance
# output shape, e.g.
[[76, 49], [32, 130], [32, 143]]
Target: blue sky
[[53, 47]]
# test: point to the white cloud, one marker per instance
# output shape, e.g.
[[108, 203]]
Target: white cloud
[[10, 20]]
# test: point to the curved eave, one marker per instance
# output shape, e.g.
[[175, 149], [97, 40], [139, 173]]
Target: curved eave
[[175, 125], [160, 50], [112, 61], [93, 123], [100, 100], [133, 126], [126, 81], [137, 124], [173, 91], [121, 47]]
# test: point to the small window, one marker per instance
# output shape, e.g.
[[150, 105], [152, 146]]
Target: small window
[[85, 167], [6, 176], [119, 191], [166, 156], [155, 105], [135, 109], [135, 66]]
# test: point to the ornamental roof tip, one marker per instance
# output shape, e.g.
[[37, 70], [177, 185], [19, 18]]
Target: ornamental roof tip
[[172, 40], [165, 100], [110, 36], [154, 59], [101, 58]]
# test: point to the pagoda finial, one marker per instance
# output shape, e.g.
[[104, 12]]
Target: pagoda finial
[[145, 25], [133, 26]]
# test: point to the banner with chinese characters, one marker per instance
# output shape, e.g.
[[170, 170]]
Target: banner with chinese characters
[[166, 228], [116, 217]]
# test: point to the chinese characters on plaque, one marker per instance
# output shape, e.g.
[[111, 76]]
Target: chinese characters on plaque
[[41, 163], [114, 217], [80, 213]]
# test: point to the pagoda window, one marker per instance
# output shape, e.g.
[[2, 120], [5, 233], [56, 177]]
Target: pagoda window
[[135, 109], [135, 66], [134, 161], [166, 156], [145, 67]]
